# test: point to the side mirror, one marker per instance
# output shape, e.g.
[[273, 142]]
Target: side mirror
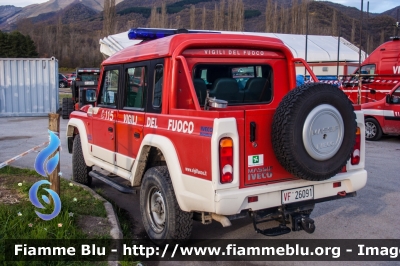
[[372, 91], [388, 98]]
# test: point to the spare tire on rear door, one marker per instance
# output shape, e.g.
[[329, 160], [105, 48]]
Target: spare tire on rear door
[[313, 131]]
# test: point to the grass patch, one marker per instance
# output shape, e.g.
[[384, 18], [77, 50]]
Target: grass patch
[[19, 220]]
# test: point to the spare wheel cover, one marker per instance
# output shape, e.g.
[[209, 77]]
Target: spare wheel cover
[[323, 132]]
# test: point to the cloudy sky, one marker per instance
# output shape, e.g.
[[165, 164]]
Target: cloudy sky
[[375, 6]]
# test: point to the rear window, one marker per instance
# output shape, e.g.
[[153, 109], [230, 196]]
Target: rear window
[[89, 77], [235, 83]]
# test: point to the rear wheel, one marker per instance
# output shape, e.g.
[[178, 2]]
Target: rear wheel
[[373, 130], [162, 217], [67, 107], [80, 171]]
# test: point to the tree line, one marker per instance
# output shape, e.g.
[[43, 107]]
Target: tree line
[[77, 44], [17, 45]]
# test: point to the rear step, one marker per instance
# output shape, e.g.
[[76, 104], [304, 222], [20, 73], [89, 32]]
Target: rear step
[[275, 231], [108, 181], [299, 221]]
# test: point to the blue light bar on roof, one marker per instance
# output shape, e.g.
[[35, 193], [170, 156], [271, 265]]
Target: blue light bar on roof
[[154, 33]]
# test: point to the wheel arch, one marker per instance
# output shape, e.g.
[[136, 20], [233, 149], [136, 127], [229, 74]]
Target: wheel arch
[[378, 120], [155, 150], [370, 116], [153, 145], [76, 126]]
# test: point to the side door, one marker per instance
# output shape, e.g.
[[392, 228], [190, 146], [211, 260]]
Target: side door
[[104, 119], [392, 113], [131, 115], [154, 100]]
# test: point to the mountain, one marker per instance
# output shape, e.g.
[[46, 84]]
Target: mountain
[[71, 32], [49, 7], [394, 12], [7, 12]]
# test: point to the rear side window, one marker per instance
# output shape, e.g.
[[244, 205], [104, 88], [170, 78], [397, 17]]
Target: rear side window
[[238, 84], [158, 84], [110, 88], [136, 87]]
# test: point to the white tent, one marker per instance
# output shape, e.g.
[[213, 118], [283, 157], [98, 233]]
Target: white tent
[[319, 48]]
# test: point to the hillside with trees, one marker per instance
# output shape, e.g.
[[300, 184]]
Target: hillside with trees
[[72, 35], [16, 45]]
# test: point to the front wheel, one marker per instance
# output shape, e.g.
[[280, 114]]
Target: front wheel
[[80, 171], [373, 130], [162, 217]]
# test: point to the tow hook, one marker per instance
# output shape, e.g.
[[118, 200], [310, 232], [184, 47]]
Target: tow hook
[[308, 224], [303, 222]]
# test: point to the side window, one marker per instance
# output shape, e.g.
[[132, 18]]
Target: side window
[[109, 88], [158, 84], [396, 96], [368, 69], [136, 87]]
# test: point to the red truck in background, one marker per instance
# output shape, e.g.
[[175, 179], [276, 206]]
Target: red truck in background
[[379, 73], [383, 116]]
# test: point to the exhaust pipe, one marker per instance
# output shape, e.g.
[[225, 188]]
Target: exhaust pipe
[[221, 219]]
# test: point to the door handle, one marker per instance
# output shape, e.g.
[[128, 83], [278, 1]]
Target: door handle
[[136, 135], [252, 131], [110, 129]]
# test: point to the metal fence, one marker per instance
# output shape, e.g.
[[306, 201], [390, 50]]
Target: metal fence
[[28, 86]]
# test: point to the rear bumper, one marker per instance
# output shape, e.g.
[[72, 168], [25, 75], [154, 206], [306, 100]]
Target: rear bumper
[[231, 202]]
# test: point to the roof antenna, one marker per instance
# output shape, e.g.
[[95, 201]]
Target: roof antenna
[[397, 25]]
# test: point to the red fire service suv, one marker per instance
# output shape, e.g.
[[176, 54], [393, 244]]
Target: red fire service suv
[[383, 116], [379, 73], [172, 120]]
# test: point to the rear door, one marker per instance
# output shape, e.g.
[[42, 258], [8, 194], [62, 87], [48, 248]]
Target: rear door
[[131, 116], [260, 163]]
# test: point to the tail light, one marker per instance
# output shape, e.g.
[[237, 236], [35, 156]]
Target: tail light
[[226, 160], [355, 156]]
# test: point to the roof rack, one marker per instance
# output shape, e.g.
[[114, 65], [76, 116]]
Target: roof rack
[[156, 33]]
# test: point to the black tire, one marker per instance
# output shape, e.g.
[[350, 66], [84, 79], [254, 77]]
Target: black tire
[[313, 131], [80, 171], [62, 84], [168, 222], [67, 107], [373, 130]]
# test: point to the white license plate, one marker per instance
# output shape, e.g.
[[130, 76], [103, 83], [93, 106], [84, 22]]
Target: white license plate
[[89, 82], [297, 194]]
